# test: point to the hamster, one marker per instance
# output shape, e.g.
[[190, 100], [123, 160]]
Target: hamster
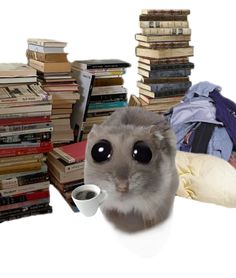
[[131, 155]]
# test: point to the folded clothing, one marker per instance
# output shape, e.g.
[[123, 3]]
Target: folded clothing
[[206, 178]]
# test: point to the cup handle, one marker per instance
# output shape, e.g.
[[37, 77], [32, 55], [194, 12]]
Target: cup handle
[[102, 197]]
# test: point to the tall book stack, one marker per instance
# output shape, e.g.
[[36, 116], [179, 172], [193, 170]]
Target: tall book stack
[[66, 169], [163, 50], [25, 136], [106, 93], [50, 61]]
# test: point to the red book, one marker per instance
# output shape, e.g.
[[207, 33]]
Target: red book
[[44, 148], [72, 153], [25, 121]]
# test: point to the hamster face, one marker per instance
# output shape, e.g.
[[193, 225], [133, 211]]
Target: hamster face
[[135, 165]]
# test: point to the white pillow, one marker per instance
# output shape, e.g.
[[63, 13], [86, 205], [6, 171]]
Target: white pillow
[[206, 178]]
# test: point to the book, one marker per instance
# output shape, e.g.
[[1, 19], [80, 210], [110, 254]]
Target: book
[[100, 64], [23, 178], [101, 82], [44, 49], [21, 109], [164, 61], [26, 212], [164, 53], [29, 196], [50, 67], [107, 105], [163, 100], [166, 31], [23, 93], [47, 57], [72, 153], [24, 189], [24, 121], [164, 73], [166, 11], [17, 80], [134, 101], [164, 87], [26, 150], [165, 66], [168, 93], [161, 45], [163, 24], [54, 158], [156, 38], [109, 90], [46, 42], [80, 109], [163, 17], [24, 204], [63, 177], [16, 70]]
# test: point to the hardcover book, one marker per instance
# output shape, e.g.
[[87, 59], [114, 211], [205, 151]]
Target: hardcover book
[[16, 70], [72, 153], [97, 64]]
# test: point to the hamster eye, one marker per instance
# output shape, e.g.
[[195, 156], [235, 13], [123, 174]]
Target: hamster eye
[[141, 152], [101, 151]]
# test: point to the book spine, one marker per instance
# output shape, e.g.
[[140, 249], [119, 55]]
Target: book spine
[[20, 167], [7, 213], [25, 127], [24, 189], [108, 105], [24, 197], [64, 156], [73, 167], [164, 24], [26, 150], [80, 136], [24, 121], [23, 180], [26, 213], [166, 73], [167, 31], [162, 88], [43, 131], [24, 204], [172, 12], [24, 114], [162, 17]]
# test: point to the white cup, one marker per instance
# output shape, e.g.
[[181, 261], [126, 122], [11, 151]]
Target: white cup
[[88, 207]]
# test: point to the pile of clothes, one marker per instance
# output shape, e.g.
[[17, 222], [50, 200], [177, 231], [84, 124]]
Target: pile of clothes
[[205, 122], [205, 126]]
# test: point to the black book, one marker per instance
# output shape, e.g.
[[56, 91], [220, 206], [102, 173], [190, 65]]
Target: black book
[[100, 64]]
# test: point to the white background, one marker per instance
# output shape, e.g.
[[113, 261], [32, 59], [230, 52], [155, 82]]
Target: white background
[[199, 240]]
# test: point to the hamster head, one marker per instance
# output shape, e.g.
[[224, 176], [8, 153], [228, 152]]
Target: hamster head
[[135, 164]]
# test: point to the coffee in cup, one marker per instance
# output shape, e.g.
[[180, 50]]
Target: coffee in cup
[[88, 198]]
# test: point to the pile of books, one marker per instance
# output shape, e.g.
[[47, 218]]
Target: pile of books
[[25, 136], [50, 60], [163, 50], [66, 169], [102, 91]]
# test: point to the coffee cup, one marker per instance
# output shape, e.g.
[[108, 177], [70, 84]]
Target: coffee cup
[[88, 198]]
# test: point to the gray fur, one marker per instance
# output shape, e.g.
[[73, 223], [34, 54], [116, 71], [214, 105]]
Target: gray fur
[[152, 187]]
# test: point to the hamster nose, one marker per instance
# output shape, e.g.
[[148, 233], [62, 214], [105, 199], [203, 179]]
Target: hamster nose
[[122, 185]]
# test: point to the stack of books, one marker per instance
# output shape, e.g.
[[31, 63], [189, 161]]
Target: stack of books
[[104, 94], [25, 136], [50, 61], [66, 169], [163, 50]]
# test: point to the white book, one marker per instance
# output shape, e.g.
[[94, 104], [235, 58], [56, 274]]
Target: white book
[[44, 49]]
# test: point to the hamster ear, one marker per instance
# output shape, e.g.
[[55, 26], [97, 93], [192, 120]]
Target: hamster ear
[[164, 135], [93, 131]]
